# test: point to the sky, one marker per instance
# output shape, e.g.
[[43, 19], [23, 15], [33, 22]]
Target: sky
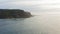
[[30, 5]]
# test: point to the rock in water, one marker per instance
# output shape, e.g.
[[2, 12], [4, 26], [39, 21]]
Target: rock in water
[[14, 13]]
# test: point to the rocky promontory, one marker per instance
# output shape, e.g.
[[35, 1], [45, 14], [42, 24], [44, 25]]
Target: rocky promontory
[[14, 13]]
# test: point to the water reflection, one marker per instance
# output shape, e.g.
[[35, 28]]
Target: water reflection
[[8, 26]]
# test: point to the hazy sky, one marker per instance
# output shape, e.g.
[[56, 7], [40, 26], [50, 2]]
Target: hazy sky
[[30, 4]]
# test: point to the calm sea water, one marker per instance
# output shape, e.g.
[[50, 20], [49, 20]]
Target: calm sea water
[[40, 24]]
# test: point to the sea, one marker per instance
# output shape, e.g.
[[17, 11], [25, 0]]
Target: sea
[[44, 23]]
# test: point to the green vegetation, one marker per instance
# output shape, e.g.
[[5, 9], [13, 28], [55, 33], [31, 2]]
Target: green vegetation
[[14, 13]]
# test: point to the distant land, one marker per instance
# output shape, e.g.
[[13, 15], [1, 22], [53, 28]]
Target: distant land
[[14, 13]]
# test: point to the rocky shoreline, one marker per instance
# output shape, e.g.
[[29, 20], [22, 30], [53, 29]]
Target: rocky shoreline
[[14, 13]]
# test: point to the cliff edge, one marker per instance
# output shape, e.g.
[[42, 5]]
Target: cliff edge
[[14, 13]]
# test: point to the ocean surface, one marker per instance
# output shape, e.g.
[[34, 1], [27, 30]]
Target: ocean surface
[[40, 24]]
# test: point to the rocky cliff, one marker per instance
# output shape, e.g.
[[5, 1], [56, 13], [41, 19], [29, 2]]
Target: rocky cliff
[[14, 13]]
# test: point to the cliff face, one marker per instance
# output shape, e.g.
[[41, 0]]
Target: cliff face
[[14, 13]]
